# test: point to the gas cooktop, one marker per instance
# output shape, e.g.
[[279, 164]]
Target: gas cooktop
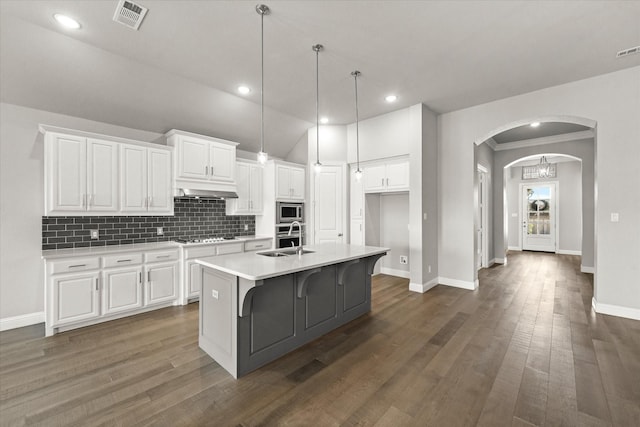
[[190, 240]]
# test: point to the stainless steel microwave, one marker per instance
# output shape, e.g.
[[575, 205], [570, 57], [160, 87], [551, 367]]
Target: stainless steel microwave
[[289, 212]]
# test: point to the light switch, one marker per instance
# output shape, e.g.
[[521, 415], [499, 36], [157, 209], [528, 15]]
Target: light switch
[[214, 293], [615, 217], [514, 215]]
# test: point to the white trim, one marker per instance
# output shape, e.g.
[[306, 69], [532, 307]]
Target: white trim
[[514, 248], [568, 252], [502, 261], [22, 320], [587, 269], [553, 139], [422, 288], [394, 272], [472, 286], [615, 310], [492, 143]]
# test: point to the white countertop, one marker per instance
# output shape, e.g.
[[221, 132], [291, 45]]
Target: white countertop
[[253, 266], [139, 247]]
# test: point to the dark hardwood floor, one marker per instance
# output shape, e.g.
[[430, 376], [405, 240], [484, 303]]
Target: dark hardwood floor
[[525, 349]]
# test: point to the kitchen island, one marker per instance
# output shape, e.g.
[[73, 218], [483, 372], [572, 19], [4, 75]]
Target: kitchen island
[[256, 307]]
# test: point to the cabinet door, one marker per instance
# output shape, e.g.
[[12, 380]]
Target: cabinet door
[[193, 158], [122, 290], [357, 232], [102, 175], [243, 181], [159, 181], [283, 188], [374, 178], [296, 180], [75, 298], [66, 173], [357, 197], [222, 163], [255, 185], [398, 176], [194, 279], [133, 178], [162, 281]]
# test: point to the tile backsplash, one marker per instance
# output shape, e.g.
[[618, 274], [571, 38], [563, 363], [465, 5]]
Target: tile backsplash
[[192, 218]]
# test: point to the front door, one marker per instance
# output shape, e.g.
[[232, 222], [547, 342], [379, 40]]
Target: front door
[[539, 217]]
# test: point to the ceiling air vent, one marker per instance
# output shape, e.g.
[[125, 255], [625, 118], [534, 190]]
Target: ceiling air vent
[[629, 51], [130, 14]]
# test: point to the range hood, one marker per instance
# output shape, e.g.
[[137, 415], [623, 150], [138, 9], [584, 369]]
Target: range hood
[[206, 194]]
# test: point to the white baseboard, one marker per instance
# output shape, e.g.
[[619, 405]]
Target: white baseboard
[[472, 286], [394, 272], [568, 252], [22, 320], [615, 310], [514, 248], [498, 261], [424, 287], [586, 269]]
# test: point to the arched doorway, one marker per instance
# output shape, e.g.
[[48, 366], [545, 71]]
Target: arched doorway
[[496, 156]]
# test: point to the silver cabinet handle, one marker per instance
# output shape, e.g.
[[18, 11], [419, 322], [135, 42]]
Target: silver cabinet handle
[[360, 227], [97, 285], [360, 211], [382, 182], [84, 201], [206, 170], [77, 265], [163, 256], [124, 260], [148, 276], [259, 246], [387, 182], [150, 201], [140, 277], [90, 203]]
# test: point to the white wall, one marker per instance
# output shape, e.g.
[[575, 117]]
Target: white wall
[[383, 136], [394, 233], [569, 179], [22, 202], [612, 101]]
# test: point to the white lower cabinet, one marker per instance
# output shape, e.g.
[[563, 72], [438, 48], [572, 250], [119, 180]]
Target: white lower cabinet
[[89, 290], [357, 232], [122, 289], [75, 298], [162, 283]]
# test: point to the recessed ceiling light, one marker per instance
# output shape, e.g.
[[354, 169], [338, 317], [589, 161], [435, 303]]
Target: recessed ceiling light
[[243, 90], [66, 21], [324, 120], [535, 124], [390, 98]]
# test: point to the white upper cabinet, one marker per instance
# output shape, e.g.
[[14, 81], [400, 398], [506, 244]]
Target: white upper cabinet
[[249, 184], [289, 182], [390, 176], [86, 175], [203, 160], [81, 175], [145, 178]]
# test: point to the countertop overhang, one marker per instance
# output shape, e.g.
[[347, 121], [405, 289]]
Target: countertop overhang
[[253, 266]]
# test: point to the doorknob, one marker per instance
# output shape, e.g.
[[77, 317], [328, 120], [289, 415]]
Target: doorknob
[[339, 234]]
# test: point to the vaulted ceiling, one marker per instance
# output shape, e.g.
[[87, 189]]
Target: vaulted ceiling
[[182, 68]]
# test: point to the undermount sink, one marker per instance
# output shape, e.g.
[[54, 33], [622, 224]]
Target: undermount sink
[[284, 252]]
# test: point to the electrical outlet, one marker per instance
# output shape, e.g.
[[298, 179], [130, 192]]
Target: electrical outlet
[[94, 234], [404, 259], [214, 293], [160, 231], [246, 227], [429, 269]]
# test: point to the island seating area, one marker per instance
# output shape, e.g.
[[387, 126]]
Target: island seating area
[[251, 316]]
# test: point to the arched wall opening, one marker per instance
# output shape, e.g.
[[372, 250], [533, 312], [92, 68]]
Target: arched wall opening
[[580, 146]]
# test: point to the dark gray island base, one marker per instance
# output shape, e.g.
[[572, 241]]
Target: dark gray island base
[[246, 323]]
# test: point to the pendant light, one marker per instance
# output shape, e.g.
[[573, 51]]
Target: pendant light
[[262, 10], [317, 166], [358, 172], [544, 168]]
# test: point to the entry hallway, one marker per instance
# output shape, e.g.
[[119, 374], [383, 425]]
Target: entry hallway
[[525, 349]]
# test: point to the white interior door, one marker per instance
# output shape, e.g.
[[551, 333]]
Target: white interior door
[[539, 206], [329, 205], [481, 221]]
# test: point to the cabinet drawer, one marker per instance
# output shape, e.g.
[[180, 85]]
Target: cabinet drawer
[[230, 248], [161, 256], [255, 245], [200, 251], [122, 260], [77, 264]]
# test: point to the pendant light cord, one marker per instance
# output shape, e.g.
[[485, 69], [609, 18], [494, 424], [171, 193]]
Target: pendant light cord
[[262, 82], [317, 49], [355, 75]]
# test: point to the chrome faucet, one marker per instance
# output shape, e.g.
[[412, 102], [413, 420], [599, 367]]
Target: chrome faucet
[[299, 248]]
